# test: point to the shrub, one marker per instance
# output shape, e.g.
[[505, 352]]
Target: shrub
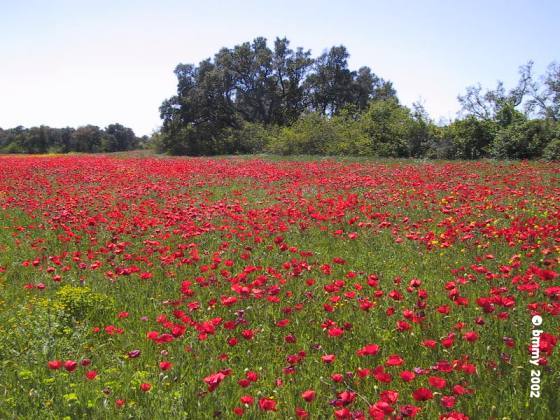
[[524, 140], [470, 138], [552, 150], [80, 303], [388, 127], [250, 138], [312, 134]]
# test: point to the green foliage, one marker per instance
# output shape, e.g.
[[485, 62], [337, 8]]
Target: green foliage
[[332, 86], [385, 129], [522, 140], [469, 138], [87, 139], [316, 134], [193, 141], [218, 101], [552, 150], [388, 127], [508, 115], [351, 139], [118, 138], [250, 138], [309, 135], [44, 326], [422, 132], [545, 98], [82, 303]]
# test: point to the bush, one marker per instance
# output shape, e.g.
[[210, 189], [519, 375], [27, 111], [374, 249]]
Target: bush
[[525, 140], [441, 147], [311, 134], [316, 134], [470, 138], [552, 150], [351, 139], [250, 138], [388, 127], [80, 303]]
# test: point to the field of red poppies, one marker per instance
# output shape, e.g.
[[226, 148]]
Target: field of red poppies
[[214, 288]]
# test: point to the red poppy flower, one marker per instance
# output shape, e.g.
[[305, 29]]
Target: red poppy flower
[[460, 390], [54, 364], [470, 336], [252, 376], [70, 365], [343, 413], [247, 399], [429, 343], [394, 360], [301, 413], [335, 332], [244, 383], [337, 377], [448, 401], [267, 404], [308, 395], [165, 365], [454, 415], [409, 410], [422, 394], [248, 334], [389, 396], [91, 374], [407, 375], [215, 379], [328, 358], [437, 382], [368, 350]]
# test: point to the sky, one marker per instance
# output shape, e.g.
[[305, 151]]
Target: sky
[[78, 62]]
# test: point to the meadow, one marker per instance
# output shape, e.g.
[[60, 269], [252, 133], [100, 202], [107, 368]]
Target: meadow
[[194, 288]]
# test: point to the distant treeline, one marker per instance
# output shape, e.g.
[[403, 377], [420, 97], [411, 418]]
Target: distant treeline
[[87, 139], [253, 98]]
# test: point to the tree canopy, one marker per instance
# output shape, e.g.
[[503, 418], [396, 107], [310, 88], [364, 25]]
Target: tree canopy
[[255, 83]]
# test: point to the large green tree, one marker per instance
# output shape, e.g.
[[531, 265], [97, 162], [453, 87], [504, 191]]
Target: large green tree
[[388, 126], [118, 138], [333, 86], [253, 83], [248, 83]]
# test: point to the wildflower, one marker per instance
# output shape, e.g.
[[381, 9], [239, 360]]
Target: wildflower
[[308, 395], [70, 365]]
